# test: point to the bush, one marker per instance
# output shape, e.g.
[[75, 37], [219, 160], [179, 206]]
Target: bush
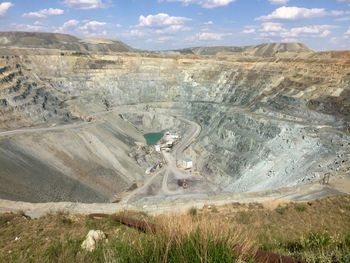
[[193, 211], [282, 209], [78, 54], [300, 208], [315, 240]]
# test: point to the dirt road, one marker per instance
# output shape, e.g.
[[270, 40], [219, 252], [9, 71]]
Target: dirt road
[[56, 128], [176, 155], [171, 165]]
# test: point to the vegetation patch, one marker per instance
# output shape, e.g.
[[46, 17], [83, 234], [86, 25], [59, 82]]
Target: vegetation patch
[[319, 233]]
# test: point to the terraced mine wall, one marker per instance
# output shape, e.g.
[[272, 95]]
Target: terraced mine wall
[[267, 121]]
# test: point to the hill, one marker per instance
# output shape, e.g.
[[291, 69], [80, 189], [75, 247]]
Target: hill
[[262, 50], [61, 42]]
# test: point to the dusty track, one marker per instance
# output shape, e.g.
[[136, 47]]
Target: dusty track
[[43, 129], [176, 155]]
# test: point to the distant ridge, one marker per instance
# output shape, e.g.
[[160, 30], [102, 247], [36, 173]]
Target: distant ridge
[[266, 49], [69, 42], [62, 42]]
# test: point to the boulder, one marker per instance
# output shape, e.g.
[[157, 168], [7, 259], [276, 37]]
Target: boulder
[[92, 238]]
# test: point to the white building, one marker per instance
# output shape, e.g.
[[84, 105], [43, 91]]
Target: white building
[[157, 147], [172, 135], [187, 163]]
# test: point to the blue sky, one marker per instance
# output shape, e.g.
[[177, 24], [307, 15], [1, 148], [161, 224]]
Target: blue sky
[[171, 24]]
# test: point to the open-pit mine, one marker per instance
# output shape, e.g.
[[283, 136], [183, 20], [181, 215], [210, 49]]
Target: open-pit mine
[[238, 123]]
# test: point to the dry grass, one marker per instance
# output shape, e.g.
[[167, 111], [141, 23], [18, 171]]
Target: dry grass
[[304, 230], [207, 230]]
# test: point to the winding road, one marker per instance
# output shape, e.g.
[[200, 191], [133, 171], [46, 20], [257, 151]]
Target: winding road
[[55, 128], [171, 158], [171, 165]]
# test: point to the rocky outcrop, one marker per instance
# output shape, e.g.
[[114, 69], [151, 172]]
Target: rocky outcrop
[[92, 240]]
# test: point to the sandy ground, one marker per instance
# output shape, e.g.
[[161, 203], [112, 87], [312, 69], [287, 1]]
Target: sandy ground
[[341, 183]]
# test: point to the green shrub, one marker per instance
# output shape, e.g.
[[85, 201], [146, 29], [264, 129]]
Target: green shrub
[[300, 208], [193, 211], [282, 209], [315, 240], [66, 221], [243, 217], [78, 54], [214, 209]]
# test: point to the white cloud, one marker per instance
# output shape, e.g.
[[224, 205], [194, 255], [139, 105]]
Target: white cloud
[[348, 32], [170, 29], [278, 31], [135, 33], [205, 3], [343, 19], [118, 25], [211, 36], [278, 2], [336, 12], [165, 38], [161, 20], [4, 6], [84, 4], [325, 33], [37, 23], [93, 29], [293, 14], [158, 24], [344, 2], [289, 40], [67, 26], [249, 31], [334, 40], [44, 13], [272, 27], [308, 31], [209, 23], [26, 27], [160, 40]]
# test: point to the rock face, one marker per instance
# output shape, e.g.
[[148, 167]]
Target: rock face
[[272, 115]]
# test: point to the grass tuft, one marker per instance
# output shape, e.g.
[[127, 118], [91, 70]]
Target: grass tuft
[[300, 208], [193, 211]]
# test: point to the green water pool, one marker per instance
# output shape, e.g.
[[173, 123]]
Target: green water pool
[[153, 138]]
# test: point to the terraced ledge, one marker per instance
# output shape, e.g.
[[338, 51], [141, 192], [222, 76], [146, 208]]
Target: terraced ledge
[[299, 193]]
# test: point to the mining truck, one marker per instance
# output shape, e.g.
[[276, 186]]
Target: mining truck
[[184, 184]]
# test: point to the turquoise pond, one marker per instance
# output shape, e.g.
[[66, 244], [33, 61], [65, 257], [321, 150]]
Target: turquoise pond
[[153, 138]]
